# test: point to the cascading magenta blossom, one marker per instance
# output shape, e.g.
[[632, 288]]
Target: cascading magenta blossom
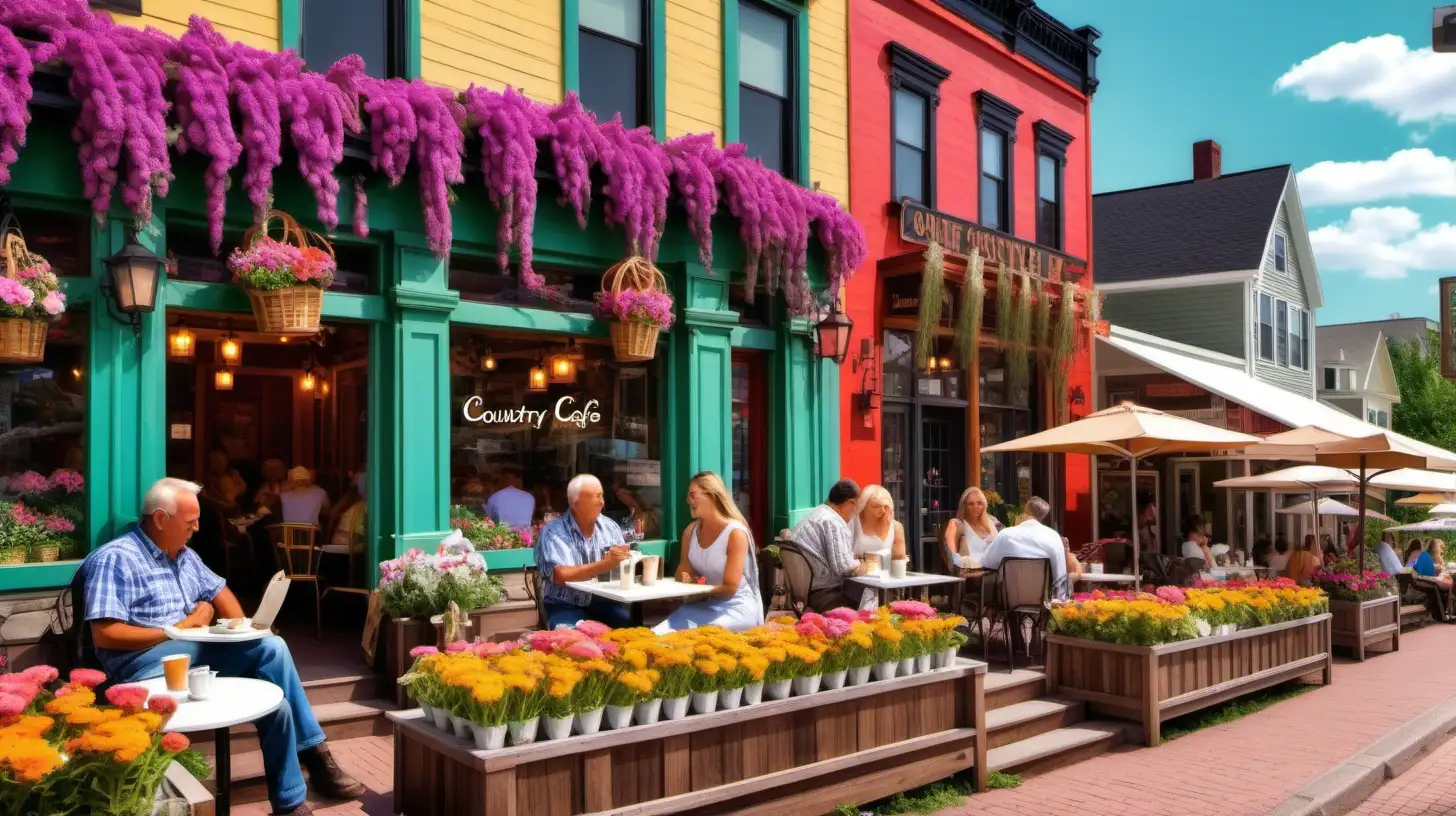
[[319, 107], [411, 117], [575, 146], [509, 126], [16, 67], [204, 115], [637, 186], [696, 163], [253, 83], [361, 208]]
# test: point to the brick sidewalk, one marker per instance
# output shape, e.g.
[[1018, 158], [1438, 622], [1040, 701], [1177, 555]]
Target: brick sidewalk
[[1252, 765], [1427, 789], [369, 760]]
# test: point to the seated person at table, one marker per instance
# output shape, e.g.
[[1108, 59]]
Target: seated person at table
[[823, 537], [1389, 561], [1262, 551], [1031, 539], [510, 504], [1431, 565], [148, 579], [1303, 561], [719, 548], [1413, 552], [1279, 559], [874, 531], [579, 545], [1074, 567], [303, 502], [1195, 545], [973, 529]]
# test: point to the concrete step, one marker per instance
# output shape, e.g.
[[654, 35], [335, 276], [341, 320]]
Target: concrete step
[[340, 721], [1022, 721], [1056, 749], [1004, 688]]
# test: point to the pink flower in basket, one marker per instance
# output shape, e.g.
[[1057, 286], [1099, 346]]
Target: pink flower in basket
[[16, 294], [36, 271], [54, 303], [653, 308], [56, 524], [22, 515]]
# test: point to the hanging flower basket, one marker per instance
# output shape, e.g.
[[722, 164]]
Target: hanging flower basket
[[30, 298], [634, 297], [284, 277]]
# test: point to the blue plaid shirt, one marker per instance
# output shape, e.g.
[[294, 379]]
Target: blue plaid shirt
[[562, 545], [133, 581]]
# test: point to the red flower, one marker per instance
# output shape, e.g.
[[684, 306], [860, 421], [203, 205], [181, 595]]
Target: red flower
[[173, 743], [90, 678], [127, 698]]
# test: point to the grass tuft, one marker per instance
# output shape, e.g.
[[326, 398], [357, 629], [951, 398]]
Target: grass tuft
[[932, 798], [195, 763], [1232, 710]]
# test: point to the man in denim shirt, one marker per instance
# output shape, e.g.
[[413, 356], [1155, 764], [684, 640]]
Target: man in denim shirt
[[579, 545]]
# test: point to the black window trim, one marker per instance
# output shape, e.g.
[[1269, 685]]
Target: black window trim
[[1052, 142], [793, 104], [1259, 323], [912, 73], [994, 113], [644, 83], [131, 8]]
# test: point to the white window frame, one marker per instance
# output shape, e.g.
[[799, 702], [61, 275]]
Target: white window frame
[[1281, 258], [1259, 326], [1297, 329]]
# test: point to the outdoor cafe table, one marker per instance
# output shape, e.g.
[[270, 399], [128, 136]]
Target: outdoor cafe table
[[1104, 578], [884, 585], [641, 593]]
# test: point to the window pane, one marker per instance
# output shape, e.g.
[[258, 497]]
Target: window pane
[[763, 50], [991, 203], [1046, 178], [620, 18], [63, 239], [910, 118], [1281, 334], [1329, 379], [1048, 224], [909, 173], [763, 128], [42, 422], [611, 79], [1279, 252], [899, 364], [334, 29], [992, 163]]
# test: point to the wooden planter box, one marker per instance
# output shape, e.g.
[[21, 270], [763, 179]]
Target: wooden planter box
[[403, 634], [790, 757], [1152, 684], [1362, 624], [183, 785]]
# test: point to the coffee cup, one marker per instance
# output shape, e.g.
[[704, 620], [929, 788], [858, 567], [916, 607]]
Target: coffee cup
[[199, 683], [650, 566], [174, 668], [898, 567], [1095, 568], [628, 575]]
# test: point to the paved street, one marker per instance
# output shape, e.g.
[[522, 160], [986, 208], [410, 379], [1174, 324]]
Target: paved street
[[1428, 789], [368, 759]]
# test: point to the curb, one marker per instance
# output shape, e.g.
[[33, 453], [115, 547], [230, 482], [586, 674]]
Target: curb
[[1344, 787]]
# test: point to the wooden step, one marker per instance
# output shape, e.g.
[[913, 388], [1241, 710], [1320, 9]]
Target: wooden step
[[1022, 721], [1056, 749], [340, 721], [1414, 616], [345, 689], [1004, 688]]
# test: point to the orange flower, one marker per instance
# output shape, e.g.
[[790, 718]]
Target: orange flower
[[30, 759]]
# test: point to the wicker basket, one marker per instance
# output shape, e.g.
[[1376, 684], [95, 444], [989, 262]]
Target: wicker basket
[[22, 340], [48, 553], [296, 309], [634, 342], [14, 555]]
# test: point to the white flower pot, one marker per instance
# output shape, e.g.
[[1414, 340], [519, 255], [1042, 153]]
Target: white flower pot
[[948, 657], [461, 727], [428, 711], [778, 689], [648, 712], [886, 671], [834, 680], [489, 737], [589, 722], [619, 717], [753, 693], [523, 732], [441, 718], [907, 667], [675, 708], [558, 727], [858, 676], [804, 686], [729, 699], [922, 664], [705, 702]]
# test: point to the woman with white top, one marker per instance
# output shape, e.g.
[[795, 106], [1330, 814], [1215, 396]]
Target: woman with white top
[[303, 502], [874, 531], [718, 548], [973, 529]]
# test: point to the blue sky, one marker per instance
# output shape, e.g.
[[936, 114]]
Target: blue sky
[[1273, 84]]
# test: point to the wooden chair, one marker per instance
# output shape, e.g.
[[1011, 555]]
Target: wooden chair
[[797, 576], [1025, 587], [352, 550], [295, 546]]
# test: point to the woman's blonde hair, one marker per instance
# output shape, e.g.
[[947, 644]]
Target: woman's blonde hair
[[712, 484], [873, 493], [969, 492]]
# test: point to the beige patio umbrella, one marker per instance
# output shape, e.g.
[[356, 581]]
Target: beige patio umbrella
[[1131, 432], [1329, 507], [1422, 500], [1444, 509], [1313, 478]]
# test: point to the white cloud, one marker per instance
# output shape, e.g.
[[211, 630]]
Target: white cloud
[[1412, 172], [1384, 243], [1412, 85]]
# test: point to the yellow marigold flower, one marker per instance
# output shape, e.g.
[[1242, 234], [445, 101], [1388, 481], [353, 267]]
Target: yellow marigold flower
[[30, 759], [29, 726], [708, 667]]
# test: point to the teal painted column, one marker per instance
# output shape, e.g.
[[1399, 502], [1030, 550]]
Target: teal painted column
[[804, 454]]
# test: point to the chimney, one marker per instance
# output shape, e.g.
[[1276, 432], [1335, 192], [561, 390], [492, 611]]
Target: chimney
[[1207, 160]]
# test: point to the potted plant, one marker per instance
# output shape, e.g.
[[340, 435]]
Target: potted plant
[[30, 298], [486, 534], [284, 278], [634, 298]]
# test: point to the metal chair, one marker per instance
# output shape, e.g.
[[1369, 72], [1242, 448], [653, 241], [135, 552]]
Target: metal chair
[[295, 546], [797, 576], [353, 549], [1025, 587], [533, 590]]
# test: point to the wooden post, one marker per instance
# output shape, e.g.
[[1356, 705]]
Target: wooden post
[[597, 780], [1152, 725], [978, 702], [500, 793]]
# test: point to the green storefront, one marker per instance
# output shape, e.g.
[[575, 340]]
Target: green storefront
[[409, 339]]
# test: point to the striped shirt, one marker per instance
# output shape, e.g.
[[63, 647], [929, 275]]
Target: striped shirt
[[562, 544], [823, 537]]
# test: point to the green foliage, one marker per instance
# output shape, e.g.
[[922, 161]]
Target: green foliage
[[971, 312], [1063, 344], [1232, 710], [1427, 400], [1018, 353], [996, 780], [932, 798], [195, 763], [932, 302]]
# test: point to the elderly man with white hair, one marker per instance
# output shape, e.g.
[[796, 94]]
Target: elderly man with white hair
[[579, 545], [148, 579]]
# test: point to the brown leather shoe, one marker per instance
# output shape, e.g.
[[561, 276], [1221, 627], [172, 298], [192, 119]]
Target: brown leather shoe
[[304, 809], [325, 776]]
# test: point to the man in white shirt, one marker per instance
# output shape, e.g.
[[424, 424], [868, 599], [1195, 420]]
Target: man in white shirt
[[1389, 561], [511, 505], [1031, 539]]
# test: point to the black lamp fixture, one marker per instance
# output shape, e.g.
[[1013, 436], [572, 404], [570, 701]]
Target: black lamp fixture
[[133, 278], [832, 336]]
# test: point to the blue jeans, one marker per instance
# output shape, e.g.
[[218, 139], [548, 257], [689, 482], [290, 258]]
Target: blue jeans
[[285, 732], [612, 614]]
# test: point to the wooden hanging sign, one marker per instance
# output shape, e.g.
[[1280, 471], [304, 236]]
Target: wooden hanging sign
[[921, 225]]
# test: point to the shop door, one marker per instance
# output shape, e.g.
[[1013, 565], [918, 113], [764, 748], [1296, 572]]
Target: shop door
[[942, 470], [896, 462], [750, 443]]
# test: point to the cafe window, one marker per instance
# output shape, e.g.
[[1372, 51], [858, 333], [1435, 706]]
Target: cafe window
[[43, 446], [915, 83], [62, 238], [614, 60], [132, 7], [997, 124], [899, 365], [543, 409], [766, 103], [1266, 327], [1005, 414], [479, 278], [373, 29], [1051, 160], [750, 442]]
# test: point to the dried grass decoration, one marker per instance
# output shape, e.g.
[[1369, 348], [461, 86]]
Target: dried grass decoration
[[284, 277], [1063, 343], [635, 299], [30, 298], [932, 303], [1018, 348], [972, 310]]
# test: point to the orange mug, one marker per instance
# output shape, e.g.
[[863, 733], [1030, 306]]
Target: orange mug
[[174, 668]]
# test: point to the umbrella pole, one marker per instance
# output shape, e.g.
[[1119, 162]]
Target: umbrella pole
[[1137, 570], [1314, 511], [1360, 522]]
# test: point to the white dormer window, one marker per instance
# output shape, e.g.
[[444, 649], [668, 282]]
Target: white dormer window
[[1279, 260], [1339, 378]]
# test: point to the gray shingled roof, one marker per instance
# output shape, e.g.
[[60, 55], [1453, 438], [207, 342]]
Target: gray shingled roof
[[1187, 227], [1356, 340]]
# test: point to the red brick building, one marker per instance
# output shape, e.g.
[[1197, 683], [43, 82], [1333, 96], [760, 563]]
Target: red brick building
[[971, 127]]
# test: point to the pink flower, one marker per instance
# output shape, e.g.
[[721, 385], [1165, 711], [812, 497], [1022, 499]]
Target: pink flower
[[30, 482], [586, 650], [487, 649], [422, 651], [16, 294], [608, 648], [173, 742], [68, 480], [90, 678], [1171, 594], [912, 609], [593, 629], [54, 303], [808, 630], [457, 647], [162, 704], [56, 524], [22, 515], [40, 675], [12, 705], [843, 613], [836, 628], [127, 698]]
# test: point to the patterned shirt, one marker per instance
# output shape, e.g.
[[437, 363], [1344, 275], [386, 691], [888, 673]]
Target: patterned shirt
[[562, 544], [823, 537], [133, 581]]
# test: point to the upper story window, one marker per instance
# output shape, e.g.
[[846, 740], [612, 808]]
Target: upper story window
[[614, 60], [766, 103], [915, 83], [1298, 338], [1281, 332], [1266, 327], [133, 7], [1382, 419], [997, 123], [373, 29], [1279, 249], [1339, 378], [1051, 159]]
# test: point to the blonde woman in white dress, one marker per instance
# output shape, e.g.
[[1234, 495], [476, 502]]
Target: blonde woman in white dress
[[874, 530], [970, 533], [717, 547]]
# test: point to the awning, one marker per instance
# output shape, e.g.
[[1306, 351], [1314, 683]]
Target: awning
[[1238, 387]]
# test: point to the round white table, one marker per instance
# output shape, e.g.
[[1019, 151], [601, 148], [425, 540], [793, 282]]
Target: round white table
[[1104, 578], [234, 701]]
